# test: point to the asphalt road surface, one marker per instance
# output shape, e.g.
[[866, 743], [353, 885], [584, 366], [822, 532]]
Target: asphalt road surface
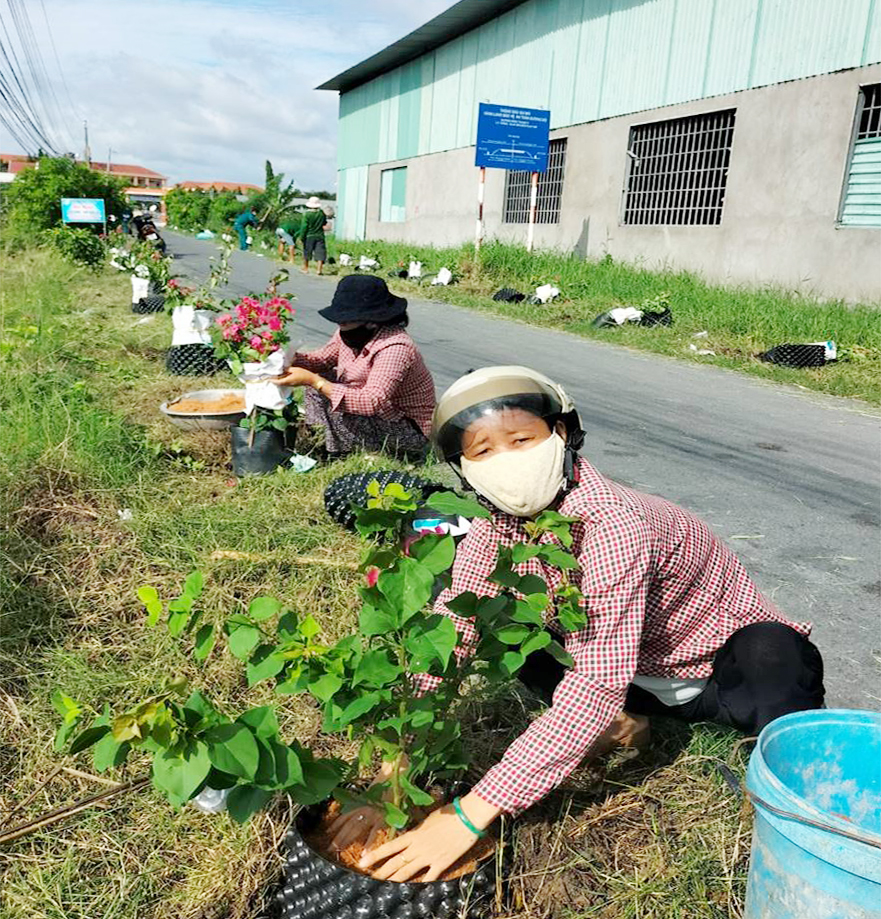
[[791, 480]]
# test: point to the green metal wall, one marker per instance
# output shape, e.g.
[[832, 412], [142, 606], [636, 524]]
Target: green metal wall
[[592, 59]]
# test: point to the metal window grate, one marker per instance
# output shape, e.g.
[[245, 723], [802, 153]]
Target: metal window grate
[[550, 189], [870, 116], [678, 170]]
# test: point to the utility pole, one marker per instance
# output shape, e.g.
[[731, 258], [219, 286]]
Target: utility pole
[[109, 154], [87, 153]]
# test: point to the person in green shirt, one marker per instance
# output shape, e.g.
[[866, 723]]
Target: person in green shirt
[[286, 234], [245, 219], [312, 233]]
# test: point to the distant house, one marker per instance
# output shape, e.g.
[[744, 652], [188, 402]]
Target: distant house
[[239, 188]]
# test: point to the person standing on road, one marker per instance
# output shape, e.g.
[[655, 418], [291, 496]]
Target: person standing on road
[[368, 386], [245, 219], [674, 624], [312, 233]]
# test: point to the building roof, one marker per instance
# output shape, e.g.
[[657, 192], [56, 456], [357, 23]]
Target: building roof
[[19, 161], [457, 20], [221, 186]]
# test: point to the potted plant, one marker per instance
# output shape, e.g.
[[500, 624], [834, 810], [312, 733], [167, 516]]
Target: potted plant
[[254, 338], [155, 268], [369, 686]]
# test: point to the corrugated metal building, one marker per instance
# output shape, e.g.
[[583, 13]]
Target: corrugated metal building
[[737, 138]]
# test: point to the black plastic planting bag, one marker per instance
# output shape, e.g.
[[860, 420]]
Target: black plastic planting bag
[[351, 489], [151, 304], [269, 450], [798, 356], [192, 360], [509, 295], [661, 317]]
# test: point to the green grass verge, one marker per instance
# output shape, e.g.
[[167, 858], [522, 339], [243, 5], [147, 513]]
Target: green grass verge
[[81, 441], [740, 322]]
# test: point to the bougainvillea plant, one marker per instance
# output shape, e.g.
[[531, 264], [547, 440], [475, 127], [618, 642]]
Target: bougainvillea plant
[[371, 685]]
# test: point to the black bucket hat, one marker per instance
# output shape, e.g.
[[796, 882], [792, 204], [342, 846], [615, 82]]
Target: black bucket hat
[[363, 298]]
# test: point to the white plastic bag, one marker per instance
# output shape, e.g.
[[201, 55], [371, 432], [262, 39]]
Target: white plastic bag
[[140, 288], [190, 326], [345, 259], [444, 276], [546, 293], [415, 270], [260, 391], [367, 264], [625, 314], [211, 800]]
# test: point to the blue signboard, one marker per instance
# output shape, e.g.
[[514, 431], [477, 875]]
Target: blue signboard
[[512, 138], [83, 210]]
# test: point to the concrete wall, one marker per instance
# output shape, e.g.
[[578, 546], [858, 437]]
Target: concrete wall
[[779, 224]]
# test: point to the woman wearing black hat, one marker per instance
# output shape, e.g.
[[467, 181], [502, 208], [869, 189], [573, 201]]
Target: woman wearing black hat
[[368, 385]]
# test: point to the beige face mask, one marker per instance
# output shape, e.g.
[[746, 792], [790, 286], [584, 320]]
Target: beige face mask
[[520, 482]]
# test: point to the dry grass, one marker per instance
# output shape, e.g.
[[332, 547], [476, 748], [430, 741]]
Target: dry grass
[[658, 837]]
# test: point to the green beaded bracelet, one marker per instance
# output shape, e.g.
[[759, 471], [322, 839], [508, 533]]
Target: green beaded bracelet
[[457, 804]]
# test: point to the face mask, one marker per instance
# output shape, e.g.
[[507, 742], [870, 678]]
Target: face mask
[[520, 482], [358, 337]]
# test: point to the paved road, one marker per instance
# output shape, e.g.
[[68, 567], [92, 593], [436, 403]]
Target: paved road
[[790, 480]]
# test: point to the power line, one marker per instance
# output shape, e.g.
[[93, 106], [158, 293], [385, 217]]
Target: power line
[[71, 103]]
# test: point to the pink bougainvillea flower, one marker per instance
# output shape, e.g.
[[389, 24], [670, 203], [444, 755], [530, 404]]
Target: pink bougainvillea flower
[[371, 576]]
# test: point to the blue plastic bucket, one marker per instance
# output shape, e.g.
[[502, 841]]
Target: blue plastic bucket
[[815, 781]]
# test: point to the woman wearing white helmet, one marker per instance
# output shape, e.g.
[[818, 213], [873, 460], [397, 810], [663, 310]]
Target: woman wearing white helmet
[[674, 626]]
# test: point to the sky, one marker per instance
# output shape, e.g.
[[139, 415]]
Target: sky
[[207, 90]]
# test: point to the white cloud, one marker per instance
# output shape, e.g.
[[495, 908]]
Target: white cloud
[[210, 89]]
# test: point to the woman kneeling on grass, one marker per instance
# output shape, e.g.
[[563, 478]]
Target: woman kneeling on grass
[[675, 626], [368, 385]]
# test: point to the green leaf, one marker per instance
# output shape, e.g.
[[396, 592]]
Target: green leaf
[[309, 628], [242, 639], [490, 608], [194, 583], [262, 608], [232, 748], [556, 523], [394, 816], [558, 558], [108, 753], [200, 705], [560, 654], [407, 586], [465, 604], [535, 642], [262, 721], [287, 627], [150, 598], [264, 664], [415, 794], [245, 800], [180, 776], [319, 780], [204, 644], [503, 574], [88, 737], [358, 707], [523, 612], [453, 505], [373, 488], [177, 617], [62, 736], [430, 639], [126, 727], [288, 768], [522, 552], [512, 634], [511, 662], [572, 619], [435, 552], [325, 686], [373, 621], [531, 584], [377, 669], [537, 602]]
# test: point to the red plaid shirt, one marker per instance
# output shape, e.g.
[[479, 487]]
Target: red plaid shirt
[[662, 595], [386, 378]]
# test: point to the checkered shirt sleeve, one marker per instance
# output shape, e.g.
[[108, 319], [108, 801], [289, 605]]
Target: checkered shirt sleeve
[[615, 562], [322, 360]]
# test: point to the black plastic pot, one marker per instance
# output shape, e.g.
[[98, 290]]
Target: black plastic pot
[[192, 360], [316, 888], [151, 304], [351, 489], [270, 450]]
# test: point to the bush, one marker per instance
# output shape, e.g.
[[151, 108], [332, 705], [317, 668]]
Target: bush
[[82, 247], [188, 209], [33, 202]]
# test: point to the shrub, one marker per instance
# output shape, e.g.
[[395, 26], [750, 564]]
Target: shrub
[[82, 247]]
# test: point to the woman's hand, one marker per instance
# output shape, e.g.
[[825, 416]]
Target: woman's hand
[[362, 823], [440, 840], [297, 376]]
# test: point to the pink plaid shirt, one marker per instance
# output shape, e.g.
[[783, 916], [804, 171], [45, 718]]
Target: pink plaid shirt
[[662, 595], [386, 378]]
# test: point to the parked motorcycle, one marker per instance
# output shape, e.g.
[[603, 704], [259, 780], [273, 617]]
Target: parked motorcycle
[[146, 231]]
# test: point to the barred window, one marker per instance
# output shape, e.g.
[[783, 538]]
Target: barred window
[[550, 189], [861, 196], [678, 170]]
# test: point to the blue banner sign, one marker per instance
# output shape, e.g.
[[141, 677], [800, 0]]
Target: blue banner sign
[[512, 138], [83, 210]]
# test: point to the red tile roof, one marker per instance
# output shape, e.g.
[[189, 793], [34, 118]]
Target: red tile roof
[[220, 186], [19, 161]]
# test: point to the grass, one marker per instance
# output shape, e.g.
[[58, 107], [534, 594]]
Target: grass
[[82, 440], [740, 322]]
